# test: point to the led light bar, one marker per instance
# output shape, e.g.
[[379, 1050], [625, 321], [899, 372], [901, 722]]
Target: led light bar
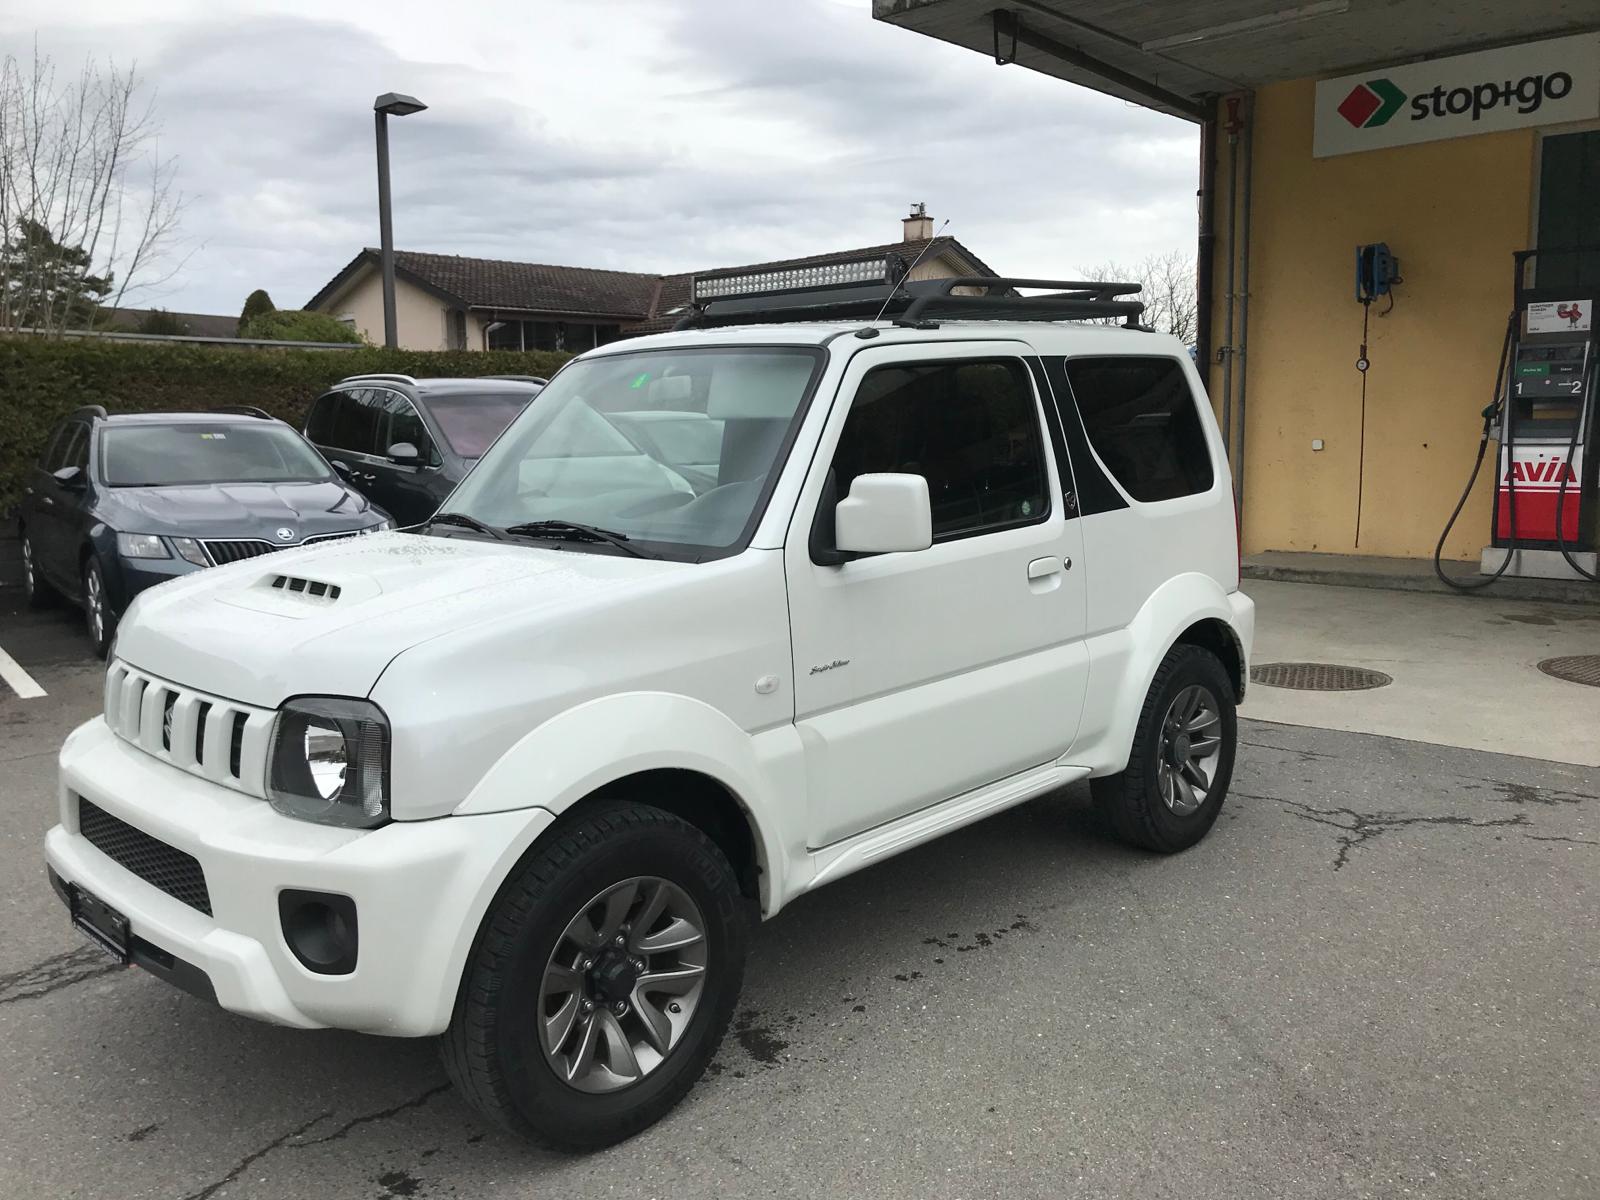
[[791, 279]]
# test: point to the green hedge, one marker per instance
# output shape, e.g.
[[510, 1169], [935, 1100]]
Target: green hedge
[[43, 380]]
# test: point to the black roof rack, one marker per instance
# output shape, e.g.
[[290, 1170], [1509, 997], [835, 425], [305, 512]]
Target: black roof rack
[[243, 410], [539, 379], [916, 304]]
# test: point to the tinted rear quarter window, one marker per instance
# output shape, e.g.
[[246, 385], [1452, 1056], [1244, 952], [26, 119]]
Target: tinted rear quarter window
[[1141, 419]]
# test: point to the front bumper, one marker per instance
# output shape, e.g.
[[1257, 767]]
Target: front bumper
[[421, 889]]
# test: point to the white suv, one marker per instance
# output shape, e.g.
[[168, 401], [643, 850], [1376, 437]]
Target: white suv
[[725, 615]]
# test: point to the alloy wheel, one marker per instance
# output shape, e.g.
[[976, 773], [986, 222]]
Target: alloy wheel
[[622, 984], [28, 584], [94, 604], [1191, 746]]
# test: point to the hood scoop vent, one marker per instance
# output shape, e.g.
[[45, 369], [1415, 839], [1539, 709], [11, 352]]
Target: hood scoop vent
[[313, 590]]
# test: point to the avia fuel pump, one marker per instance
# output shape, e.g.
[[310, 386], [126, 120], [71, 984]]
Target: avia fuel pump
[[1546, 520]]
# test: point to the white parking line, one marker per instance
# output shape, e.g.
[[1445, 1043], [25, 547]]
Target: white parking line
[[21, 682]]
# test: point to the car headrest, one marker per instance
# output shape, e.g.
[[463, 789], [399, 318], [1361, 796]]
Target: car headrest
[[670, 391], [758, 387]]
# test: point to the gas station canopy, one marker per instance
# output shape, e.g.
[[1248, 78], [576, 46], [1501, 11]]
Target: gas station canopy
[[1167, 56]]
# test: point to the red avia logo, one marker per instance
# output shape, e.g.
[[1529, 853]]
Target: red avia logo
[[1371, 104], [1548, 470]]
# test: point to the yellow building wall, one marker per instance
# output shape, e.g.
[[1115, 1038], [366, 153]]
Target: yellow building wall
[[419, 317], [1453, 212]]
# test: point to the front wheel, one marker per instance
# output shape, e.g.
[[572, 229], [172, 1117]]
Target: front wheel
[[99, 618], [602, 982], [1182, 757]]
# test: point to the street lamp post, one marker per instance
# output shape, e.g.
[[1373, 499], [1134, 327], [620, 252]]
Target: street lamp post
[[387, 105]]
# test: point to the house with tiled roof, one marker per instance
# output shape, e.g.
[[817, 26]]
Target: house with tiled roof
[[446, 301]]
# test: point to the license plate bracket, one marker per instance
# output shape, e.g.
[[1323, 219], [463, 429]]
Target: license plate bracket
[[100, 923]]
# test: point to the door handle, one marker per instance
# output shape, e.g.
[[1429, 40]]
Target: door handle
[[1040, 568]]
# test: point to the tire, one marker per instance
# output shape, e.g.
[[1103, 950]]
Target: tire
[[99, 618], [36, 589], [1148, 805], [495, 1048]]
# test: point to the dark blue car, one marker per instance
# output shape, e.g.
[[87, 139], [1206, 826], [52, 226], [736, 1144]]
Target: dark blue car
[[118, 503]]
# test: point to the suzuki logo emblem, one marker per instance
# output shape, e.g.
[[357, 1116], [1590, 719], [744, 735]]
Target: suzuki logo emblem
[[285, 534]]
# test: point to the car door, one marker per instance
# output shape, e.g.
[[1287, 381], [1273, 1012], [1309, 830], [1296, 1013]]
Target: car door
[[920, 676], [408, 491], [57, 507]]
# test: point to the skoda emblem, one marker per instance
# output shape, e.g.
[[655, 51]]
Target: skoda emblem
[[285, 534]]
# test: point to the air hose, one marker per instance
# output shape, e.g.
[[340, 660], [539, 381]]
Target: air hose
[[1489, 413]]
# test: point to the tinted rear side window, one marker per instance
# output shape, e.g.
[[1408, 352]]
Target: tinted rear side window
[[347, 421], [1141, 419]]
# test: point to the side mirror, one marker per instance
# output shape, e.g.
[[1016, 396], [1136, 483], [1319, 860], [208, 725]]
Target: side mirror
[[70, 478], [404, 454], [884, 514]]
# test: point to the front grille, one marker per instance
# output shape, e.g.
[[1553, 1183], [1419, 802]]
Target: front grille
[[152, 860], [226, 550], [219, 740], [222, 552]]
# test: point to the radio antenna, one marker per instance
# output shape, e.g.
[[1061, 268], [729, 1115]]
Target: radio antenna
[[895, 290]]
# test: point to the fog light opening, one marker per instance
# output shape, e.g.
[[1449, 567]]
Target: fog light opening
[[320, 930]]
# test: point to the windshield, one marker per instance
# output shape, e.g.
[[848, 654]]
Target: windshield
[[471, 421], [191, 452], [673, 447]]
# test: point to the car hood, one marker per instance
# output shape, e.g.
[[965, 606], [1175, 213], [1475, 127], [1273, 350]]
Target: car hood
[[327, 619], [238, 510]]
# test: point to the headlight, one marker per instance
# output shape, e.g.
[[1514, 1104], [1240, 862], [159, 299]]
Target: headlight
[[141, 545], [330, 762], [190, 550], [379, 527]]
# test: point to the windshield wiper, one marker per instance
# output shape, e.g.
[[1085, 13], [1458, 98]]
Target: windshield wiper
[[572, 531], [466, 522]]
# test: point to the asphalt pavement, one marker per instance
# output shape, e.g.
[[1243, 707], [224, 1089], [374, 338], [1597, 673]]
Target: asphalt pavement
[[1378, 977]]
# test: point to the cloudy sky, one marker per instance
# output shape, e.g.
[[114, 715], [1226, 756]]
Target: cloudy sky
[[666, 135]]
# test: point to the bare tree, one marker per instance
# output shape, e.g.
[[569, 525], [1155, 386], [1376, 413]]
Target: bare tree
[[88, 209], [1169, 290]]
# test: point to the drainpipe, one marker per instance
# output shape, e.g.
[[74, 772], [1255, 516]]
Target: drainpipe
[[1204, 267], [1225, 351], [1244, 303]]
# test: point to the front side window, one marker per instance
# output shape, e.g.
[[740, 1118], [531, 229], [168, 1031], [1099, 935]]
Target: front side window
[[1141, 419], [191, 453], [470, 421], [402, 424], [576, 454], [55, 451], [971, 429]]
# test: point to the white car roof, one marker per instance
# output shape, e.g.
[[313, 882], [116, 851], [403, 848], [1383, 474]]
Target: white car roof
[[1049, 337]]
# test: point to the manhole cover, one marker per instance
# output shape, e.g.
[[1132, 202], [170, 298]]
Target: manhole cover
[[1318, 677], [1574, 668]]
